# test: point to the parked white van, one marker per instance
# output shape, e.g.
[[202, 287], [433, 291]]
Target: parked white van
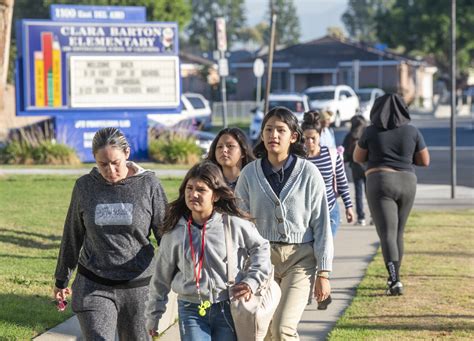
[[339, 99]]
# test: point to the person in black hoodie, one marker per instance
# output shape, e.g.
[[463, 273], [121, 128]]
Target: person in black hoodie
[[391, 146], [113, 211]]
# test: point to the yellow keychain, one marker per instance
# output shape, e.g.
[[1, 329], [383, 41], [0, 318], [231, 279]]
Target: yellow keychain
[[203, 306]]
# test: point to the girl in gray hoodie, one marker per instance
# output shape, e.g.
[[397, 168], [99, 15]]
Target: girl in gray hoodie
[[192, 258]]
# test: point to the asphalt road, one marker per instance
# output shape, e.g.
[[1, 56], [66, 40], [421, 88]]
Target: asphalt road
[[437, 135]]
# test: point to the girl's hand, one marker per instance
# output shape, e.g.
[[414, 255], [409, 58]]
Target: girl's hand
[[61, 294], [322, 289], [349, 215], [241, 290]]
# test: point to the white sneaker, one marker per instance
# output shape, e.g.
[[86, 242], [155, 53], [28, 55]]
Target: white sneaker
[[361, 222]]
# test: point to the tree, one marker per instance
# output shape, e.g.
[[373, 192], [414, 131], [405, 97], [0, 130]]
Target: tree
[[288, 26], [420, 27], [201, 28], [336, 32], [255, 35], [360, 19]]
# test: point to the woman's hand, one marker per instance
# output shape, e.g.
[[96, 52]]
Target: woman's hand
[[349, 215], [61, 294], [241, 290], [322, 289]]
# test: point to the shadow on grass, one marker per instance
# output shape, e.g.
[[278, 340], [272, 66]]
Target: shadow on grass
[[31, 311], [23, 239]]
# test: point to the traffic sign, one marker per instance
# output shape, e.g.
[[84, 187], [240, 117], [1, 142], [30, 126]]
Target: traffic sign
[[221, 35], [223, 67], [258, 67]]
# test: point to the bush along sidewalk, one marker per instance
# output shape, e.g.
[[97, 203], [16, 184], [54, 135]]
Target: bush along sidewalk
[[175, 148], [438, 275], [45, 152]]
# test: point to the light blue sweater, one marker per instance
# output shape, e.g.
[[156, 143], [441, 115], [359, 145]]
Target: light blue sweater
[[299, 215]]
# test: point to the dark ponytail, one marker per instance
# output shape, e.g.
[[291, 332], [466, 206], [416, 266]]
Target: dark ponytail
[[312, 120]]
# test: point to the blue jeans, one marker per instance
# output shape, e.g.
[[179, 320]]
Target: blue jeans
[[335, 218], [359, 185], [216, 325]]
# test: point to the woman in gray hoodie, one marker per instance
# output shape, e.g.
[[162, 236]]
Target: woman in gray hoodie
[[191, 260], [113, 211]]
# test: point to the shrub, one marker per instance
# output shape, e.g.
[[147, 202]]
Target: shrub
[[44, 152], [174, 148]]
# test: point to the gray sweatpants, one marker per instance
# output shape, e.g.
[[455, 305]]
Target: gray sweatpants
[[102, 310], [390, 196]]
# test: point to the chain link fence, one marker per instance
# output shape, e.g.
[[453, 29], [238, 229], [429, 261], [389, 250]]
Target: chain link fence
[[238, 113]]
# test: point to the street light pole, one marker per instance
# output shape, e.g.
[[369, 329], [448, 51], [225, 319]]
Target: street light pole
[[453, 99], [270, 58]]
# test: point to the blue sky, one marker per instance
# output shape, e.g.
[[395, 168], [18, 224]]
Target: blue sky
[[315, 15]]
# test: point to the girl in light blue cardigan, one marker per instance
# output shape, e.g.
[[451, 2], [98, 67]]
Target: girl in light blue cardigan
[[286, 195]]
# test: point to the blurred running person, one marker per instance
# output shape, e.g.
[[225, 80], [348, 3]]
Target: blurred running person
[[358, 124]]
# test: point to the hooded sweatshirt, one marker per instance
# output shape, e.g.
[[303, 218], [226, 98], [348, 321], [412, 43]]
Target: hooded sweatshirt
[[390, 140], [107, 228], [174, 265]]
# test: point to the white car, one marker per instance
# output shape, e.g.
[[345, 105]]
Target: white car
[[297, 103], [341, 100], [367, 98], [195, 110]]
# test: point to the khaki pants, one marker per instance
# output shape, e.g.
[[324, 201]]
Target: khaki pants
[[295, 266]]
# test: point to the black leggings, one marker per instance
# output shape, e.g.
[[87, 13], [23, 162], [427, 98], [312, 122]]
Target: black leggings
[[390, 196]]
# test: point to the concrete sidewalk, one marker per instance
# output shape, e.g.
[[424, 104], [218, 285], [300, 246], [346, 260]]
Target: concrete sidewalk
[[355, 246]]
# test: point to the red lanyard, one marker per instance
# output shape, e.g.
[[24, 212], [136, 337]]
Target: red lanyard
[[197, 273]]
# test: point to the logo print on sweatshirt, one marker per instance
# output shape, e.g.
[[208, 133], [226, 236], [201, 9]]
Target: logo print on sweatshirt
[[113, 214]]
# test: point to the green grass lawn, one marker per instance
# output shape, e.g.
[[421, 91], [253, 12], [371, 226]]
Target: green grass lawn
[[32, 212], [438, 275]]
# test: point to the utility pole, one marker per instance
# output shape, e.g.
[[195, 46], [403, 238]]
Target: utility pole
[[453, 99], [221, 38], [270, 55], [6, 13]]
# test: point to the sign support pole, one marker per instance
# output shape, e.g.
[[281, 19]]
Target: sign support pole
[[224, 97]]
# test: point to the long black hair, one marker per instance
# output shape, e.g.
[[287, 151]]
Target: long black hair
[[241, 139], [211, 175], [358, 124], [286, 116]]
